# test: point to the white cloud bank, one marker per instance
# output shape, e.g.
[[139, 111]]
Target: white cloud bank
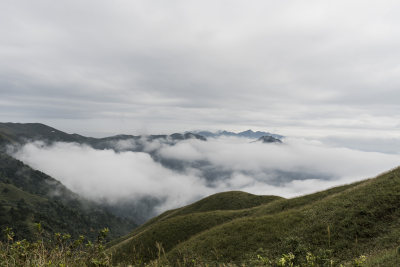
[[294, 168]]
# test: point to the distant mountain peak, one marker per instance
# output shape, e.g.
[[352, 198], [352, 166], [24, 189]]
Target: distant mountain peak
[[246, 134], [187, 135], [268, 139]]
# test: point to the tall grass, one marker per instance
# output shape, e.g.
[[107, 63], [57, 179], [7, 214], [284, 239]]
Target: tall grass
[[60, 251]]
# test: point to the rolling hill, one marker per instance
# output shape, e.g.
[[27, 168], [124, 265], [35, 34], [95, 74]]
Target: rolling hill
[[340, 223]]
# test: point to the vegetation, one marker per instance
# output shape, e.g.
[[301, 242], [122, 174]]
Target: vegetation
[[351, 225], [390, 257], [28, 196], [340, 224], [60, 251]]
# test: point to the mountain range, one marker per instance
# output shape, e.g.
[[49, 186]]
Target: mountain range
[[331, 227], [20, 133], [14, 135]]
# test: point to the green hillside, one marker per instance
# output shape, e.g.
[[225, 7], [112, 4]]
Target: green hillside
[[28, 196], [340, 224], [175, 226]]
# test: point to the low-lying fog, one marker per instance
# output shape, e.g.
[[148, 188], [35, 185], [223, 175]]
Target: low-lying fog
[[189, 170]]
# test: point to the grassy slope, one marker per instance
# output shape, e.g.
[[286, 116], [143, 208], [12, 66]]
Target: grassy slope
[[175, 226], [363, 218], [234, 200]]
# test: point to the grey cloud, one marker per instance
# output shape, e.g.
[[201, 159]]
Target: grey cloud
[[184, 64]]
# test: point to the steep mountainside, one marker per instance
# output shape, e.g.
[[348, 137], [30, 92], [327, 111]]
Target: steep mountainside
[[28, 196], [344, 222]]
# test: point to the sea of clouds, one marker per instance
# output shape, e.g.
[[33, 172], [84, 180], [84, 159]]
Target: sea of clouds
[[180, 173]]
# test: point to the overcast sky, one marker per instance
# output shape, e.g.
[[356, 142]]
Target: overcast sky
[[301, 68]]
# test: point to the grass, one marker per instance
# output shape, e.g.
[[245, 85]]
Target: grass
[[63, 251], [233, 200], [343, 222], [12, 194], [60, 251], [390, 257]]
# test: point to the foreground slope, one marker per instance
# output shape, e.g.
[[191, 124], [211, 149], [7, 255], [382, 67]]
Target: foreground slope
[[28, 196], [177, 225], [346, 221]]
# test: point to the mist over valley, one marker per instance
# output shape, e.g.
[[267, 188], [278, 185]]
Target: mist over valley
[[139, 177], [155, 133]]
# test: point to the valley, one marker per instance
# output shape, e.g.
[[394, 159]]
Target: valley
[[341, 223]]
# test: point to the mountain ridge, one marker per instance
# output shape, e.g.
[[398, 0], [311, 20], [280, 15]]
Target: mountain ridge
[[20, 133]]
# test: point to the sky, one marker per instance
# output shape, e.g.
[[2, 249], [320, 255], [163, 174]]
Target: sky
[[320, 69]]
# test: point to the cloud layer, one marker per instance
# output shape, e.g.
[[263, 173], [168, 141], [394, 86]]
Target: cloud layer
[[129, 66], [189, 170]]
